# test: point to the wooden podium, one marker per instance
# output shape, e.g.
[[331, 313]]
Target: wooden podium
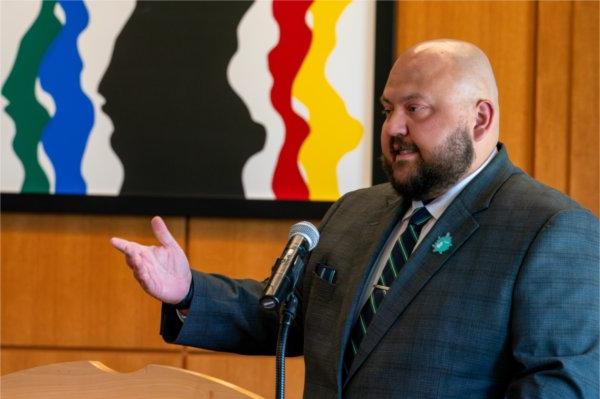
[[93, 380]]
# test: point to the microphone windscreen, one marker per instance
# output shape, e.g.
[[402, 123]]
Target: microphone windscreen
[[308, 231]]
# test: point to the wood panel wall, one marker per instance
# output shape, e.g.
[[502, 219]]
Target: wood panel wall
[[545, 57], [66, 295]]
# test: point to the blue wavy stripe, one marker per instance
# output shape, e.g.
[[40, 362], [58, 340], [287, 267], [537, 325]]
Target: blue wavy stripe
[[66, 134]]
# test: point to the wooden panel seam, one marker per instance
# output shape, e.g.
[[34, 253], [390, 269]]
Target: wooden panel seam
[[534, 91], [570, 89]]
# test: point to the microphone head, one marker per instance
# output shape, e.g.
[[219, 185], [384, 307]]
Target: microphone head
[[308, 231]]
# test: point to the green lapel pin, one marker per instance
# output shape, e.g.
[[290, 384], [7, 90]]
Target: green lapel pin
[[442, 244]]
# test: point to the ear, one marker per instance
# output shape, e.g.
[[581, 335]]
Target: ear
[[485, 117]]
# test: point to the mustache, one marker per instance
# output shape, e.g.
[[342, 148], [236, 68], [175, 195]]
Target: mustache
[[400, 144]]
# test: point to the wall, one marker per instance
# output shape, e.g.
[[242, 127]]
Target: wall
[[545, 56], [67, 295]]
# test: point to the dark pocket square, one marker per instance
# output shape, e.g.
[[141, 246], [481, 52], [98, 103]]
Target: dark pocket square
[[325, 273]]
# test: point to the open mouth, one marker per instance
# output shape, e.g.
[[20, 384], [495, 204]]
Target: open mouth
[[401, 151]]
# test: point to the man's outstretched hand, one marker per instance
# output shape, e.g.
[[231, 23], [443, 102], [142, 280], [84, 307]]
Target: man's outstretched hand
[[162, 271]]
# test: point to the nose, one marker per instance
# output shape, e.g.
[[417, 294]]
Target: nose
[[395, 124]]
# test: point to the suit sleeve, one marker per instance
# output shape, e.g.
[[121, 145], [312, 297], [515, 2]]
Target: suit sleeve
[[225, 315], [555, 326]]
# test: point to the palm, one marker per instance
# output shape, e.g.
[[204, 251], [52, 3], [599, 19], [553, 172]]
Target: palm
[[162, 271]]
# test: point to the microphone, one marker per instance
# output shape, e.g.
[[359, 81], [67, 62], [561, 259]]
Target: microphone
[[303, 237]]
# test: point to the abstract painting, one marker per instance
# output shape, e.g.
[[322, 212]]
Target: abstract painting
[[190, 100]]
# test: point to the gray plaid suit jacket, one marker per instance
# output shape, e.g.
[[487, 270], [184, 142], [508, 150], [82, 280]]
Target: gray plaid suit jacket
[[510, 310]]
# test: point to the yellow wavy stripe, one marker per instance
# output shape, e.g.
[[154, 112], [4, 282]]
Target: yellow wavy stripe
[[333, 132]]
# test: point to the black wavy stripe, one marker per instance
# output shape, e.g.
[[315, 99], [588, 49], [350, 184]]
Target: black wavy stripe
[[179, 127]]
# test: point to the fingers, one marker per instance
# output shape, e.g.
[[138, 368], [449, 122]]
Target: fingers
[[161, 232], [137, 263], [130, 249], [142, 262], [141, 276], [132, 261], [144, 275], [122, 245]]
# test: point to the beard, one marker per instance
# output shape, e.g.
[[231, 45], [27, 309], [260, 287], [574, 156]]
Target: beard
[[447, 164]]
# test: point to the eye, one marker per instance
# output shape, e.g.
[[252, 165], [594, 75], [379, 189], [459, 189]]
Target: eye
[[386, 112], [418, 111]]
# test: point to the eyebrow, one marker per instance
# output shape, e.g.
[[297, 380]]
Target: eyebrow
[[412, 96]]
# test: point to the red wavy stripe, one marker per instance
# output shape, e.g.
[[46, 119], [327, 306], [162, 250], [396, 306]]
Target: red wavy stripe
[[284, 62]]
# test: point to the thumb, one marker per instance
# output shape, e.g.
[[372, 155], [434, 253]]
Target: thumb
[[161, 232]]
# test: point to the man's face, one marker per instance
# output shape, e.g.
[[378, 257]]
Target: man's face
[[426, 141]]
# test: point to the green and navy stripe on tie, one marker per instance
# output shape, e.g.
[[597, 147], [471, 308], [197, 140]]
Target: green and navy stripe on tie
[[398, 257]]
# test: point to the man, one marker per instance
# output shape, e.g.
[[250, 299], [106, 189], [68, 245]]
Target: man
[[463, 278]]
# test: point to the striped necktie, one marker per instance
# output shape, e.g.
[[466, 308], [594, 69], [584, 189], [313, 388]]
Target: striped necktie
[[398, 257]]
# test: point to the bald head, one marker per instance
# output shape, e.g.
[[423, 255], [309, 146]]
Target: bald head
[[462, 64], [466, 62]]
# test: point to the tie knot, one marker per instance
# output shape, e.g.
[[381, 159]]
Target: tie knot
[[420, 216]]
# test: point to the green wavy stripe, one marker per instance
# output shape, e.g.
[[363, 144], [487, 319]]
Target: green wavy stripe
[[29, 115]]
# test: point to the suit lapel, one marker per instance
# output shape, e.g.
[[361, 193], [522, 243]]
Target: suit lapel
[[457, 220], [422, 266], [380, 224]]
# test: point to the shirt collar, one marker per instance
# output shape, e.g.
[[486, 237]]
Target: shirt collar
[[441, 203]]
